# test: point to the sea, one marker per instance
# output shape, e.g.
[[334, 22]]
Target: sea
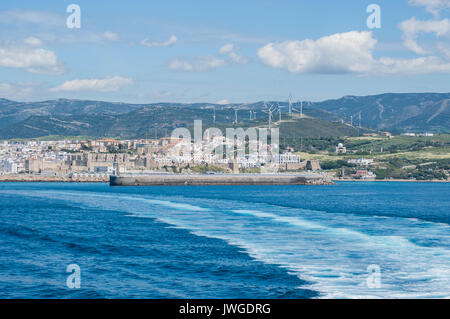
[[349, 240]]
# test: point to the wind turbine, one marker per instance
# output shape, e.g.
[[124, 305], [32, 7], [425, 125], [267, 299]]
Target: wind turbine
[[279, 110], [290, 105], [301, 109], [292, 108], [269, 110]]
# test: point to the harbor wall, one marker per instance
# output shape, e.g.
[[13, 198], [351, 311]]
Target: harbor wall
[[221, 179], [44, 178]]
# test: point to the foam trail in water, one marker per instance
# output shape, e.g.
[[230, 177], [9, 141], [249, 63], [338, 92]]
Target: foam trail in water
[[331, 251]]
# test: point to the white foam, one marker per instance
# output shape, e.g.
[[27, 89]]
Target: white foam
[[331, 251], [166, 203]]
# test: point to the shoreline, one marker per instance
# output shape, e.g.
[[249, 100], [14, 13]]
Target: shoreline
[[97, 179], [394, 180], [51, 179], [221, 179]]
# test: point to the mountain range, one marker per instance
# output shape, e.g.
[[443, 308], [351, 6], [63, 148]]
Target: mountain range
[[399, 112], [396, 112]]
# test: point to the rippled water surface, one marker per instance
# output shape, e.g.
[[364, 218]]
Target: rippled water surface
[[225, 241]]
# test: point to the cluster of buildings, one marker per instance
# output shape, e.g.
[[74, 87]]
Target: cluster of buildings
[[362, 163], [418, 134], [363, 174], [108, 156]]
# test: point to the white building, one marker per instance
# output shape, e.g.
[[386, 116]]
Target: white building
[[8, 166], [288, 158], [361, 161], [341, 149]]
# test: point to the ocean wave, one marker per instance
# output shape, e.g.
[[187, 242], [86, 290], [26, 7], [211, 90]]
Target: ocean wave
[[330, 251]]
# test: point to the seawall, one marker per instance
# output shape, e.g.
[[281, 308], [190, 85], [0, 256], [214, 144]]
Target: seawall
[[220, 179], [54, 179]]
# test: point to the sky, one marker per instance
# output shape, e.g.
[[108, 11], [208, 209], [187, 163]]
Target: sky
[[221, 51]]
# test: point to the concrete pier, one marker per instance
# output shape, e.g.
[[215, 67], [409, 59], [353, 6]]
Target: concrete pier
[[88, 178], [220, 179]]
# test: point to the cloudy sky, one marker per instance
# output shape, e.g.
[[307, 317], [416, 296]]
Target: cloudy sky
[[220, 51]]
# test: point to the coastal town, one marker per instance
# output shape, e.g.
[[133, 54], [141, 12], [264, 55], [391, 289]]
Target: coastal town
[[97, 159]]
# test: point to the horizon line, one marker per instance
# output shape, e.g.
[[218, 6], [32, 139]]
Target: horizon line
[[215, 103]]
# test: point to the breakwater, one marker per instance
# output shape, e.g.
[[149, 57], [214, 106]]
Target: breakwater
[[56, 179], [221, 179]]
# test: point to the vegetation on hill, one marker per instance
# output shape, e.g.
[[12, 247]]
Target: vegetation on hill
[[400, 157], [395, 112]]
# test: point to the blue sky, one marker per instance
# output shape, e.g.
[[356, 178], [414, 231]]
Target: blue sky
[[211, 51]]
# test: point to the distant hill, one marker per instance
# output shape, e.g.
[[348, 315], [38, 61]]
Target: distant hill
[[395, 112], [157, 121], [12, 112]]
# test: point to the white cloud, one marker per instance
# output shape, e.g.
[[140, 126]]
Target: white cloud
[[204, 63], [172, 40], [432, 6], [208, 62], [232, 52], [161, 94], [223, 102], [43, 18], [238, 58], [18, 91], [444, 50], [412, 28], [337, 53], [111, 36], [108, 84], [33, 60], [226, 48], [181, 65], [226, 54], [421, 65], [32, 41], [350, 52]]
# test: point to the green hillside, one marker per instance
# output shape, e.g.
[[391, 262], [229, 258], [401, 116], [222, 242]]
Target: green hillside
[[397, 113]]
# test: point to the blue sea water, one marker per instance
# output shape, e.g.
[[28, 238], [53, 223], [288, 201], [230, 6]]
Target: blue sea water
[[225, 241]]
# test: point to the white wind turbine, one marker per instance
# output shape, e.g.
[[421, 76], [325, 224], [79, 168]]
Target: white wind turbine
[[279, 109], [290, 105], [269, 109]]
